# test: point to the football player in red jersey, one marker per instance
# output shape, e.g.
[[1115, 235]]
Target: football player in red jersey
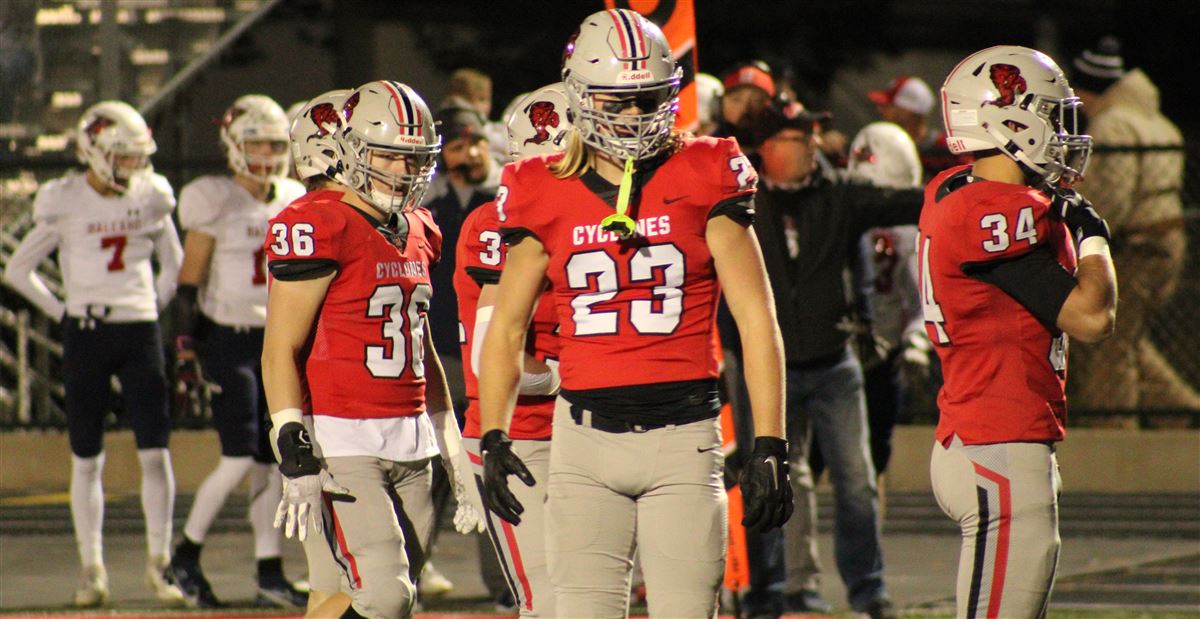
[[1012, 262], [535, 127], [346, 342], [636, 458]]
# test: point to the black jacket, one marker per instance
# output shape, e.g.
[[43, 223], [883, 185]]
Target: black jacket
[[828, 217], [443, 310]]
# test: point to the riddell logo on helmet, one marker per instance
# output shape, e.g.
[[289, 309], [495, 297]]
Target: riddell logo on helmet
[[634, 76], [410, 140]]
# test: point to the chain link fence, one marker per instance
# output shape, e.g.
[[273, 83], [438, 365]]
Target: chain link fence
[[1147, 374]]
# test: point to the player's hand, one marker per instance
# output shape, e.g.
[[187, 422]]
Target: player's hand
[[304, 483], [1080, 216], [466, 519], [498, 463], [300, 505], [190, 387], [766, 493]]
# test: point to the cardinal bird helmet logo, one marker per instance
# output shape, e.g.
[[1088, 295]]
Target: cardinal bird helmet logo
[[1009, 83]]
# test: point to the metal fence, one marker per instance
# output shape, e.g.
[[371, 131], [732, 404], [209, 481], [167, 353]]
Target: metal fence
[[1148, 374]]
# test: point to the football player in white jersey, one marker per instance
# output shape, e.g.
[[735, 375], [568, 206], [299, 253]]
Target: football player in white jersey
[[220, 310], [106, 224]]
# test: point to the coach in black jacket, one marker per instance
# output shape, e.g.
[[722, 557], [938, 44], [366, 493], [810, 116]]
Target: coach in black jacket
[[809, 220]]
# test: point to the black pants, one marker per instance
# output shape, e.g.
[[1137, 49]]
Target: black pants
[[93, 352], [232, 360]]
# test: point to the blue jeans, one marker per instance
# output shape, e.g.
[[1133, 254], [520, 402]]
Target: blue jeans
[[828, 402]]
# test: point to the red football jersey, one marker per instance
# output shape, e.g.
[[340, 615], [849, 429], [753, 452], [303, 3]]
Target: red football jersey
[[639, 311], [480, 258], [366, 357], [1004, 370]]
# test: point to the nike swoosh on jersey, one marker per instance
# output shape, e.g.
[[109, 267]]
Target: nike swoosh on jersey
[[674, 199]]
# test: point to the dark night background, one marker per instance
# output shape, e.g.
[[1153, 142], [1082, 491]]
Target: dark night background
[[519, 42]]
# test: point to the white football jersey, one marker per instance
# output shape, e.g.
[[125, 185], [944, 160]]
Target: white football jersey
[[895, 301], [235, 293], [105, 245]]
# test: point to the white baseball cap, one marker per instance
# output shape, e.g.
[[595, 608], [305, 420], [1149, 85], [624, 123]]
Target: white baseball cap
[[907, 93]]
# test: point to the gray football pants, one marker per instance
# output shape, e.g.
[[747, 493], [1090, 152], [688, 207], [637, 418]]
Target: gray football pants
[[660, 491], [1005, 499], [376, 539], [521, 549]]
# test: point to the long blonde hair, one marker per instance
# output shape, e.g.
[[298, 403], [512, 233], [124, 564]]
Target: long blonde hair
[[577, 158]]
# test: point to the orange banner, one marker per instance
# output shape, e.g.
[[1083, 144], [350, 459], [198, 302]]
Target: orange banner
[[678, 22]]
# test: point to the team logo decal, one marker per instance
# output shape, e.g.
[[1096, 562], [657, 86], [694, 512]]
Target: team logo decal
[[232, 115], [349, 105], [323, 114], [1009, 82], [543, 117], [98, 124], [569, 50]]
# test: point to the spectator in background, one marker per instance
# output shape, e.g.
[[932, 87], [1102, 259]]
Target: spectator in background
[[749, 89], [907, 101], [809, 219], [1137, 191], [467, 178], [884, 155], [472, 89]]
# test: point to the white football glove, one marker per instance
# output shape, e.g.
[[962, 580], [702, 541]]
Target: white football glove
[[466, 519], [301, 503]]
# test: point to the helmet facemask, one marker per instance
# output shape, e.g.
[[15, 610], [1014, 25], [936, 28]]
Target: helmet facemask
[[606, 127], [263, 168], [377, 182], [122, 168], [1054, 152], [256, 119]]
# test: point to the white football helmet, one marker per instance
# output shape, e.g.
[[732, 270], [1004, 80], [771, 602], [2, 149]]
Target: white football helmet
[[622, 54], [388, 119], [1017, 100], [884, 154], [314, 135], [537, 123], [255, 118], [110, 130]]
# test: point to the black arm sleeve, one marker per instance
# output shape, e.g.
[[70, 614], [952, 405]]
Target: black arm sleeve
[[299, 270], [1035, 279], [185, 311], [512, 236], [882, 207], [739, 209], [483, 276]]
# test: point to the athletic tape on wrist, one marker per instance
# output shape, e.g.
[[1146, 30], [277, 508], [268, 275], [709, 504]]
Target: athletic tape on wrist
[[1094, 245], [278, 420]]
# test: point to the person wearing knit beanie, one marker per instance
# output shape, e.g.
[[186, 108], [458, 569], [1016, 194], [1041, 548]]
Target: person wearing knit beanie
[[1097, 68]]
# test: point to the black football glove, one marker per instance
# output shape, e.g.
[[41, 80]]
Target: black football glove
[[766, 493], [498, 463], [1081, 218]]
